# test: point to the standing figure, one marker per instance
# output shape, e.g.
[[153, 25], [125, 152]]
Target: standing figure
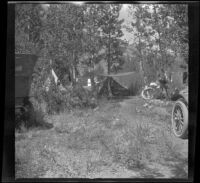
[[163, 82]]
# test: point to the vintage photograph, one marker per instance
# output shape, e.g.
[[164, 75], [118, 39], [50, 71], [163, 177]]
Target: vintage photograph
[[101, 90]]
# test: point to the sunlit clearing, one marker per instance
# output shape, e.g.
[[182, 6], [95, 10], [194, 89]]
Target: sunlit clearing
[[45, 6], [125, 6], [78, 2]]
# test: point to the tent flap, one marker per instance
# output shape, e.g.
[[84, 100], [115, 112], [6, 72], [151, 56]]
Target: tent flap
[[125, 79]]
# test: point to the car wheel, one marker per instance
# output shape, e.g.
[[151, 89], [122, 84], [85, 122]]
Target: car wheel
[[180, 120]]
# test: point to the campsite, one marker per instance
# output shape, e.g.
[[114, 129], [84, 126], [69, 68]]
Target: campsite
[[89, 95]]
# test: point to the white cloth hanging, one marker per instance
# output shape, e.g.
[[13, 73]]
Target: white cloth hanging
[[54, 76]]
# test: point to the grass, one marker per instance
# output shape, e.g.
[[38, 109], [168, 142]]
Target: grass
[[84, 143]]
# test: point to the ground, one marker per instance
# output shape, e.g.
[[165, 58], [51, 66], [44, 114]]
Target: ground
[[122, 138]]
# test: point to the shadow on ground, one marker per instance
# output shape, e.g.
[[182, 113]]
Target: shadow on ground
[[178, 166]]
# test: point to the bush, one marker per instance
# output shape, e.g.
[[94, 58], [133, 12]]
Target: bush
[[85, 97], [28, 117], [74, 97], [23, 119], [56, 100]]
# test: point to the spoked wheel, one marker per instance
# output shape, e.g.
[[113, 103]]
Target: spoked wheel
[[180, 120], [147, 93]]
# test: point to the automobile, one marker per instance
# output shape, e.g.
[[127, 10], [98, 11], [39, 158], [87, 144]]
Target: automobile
[[180, 115]]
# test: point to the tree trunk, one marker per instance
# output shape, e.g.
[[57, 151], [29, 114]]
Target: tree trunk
[[73, 69], [73, 75], [161, 51], [141, 59], [109, 54], [91, 72], [109, 89], [109, 65], [159, 40]]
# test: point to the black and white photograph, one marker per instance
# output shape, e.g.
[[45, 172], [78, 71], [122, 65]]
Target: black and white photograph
[[101, 90]]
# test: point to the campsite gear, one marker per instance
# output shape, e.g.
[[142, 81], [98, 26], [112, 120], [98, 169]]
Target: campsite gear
[[154, 91], [89, 82], [158, 88], [180, 115], [149, 90], [122, 84], [56, 80]]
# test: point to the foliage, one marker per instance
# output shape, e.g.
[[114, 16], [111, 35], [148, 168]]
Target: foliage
[[85, 97], [132, 59], [72, 36], [74, 97], [111, 32], [62, 35], [93, 49], [40, 76], [57, 100], [160, 35], [66, 33], [29, 118], [28, 24], [179, 31]]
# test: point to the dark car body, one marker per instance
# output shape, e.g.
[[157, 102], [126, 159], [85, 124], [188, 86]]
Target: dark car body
[[184, 94]]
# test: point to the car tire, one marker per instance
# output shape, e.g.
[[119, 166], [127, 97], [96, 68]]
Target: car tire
[[180, 120]]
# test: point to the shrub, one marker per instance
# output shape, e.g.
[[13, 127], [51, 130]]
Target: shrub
[[30, 117], [56, 100], [85, 97], [133, 148], [74, 97], [137, 152], [22, 115]]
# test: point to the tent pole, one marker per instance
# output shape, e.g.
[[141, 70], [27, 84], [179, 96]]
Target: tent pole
[[109, 88]]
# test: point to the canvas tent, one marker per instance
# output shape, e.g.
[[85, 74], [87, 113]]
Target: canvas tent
[[121, 84]]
